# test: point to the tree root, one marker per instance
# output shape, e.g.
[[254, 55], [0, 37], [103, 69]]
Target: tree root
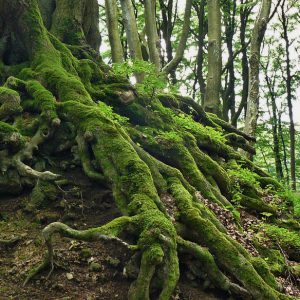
[[209, 265], [106, 232], [10, 242]]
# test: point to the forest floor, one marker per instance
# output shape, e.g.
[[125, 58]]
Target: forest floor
[[86, 271]]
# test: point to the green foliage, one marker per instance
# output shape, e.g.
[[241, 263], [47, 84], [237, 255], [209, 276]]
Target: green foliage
[[187, 122], [152, 82], [243, 175], [293, 199], [108, 111], [283, 236], [170, 136]]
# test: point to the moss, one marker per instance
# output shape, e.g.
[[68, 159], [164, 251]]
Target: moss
[[295, 270], [226, 254], [274, 259], [263, 270], [9, 103], [44, 102], [254, 204], [289, 240], [43, 193], [10, 137]]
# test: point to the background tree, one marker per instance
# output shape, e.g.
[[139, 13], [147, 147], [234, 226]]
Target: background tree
[[213, 87], [253, 91]]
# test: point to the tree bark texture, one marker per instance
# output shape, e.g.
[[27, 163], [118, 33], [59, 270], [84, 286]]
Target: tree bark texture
[[213, 87]]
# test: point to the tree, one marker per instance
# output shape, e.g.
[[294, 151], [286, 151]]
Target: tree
[[132, 34], [212, 95], [253, 91], [166, 168], [151, 30], [288, 77], [172, 65], [111, 9]]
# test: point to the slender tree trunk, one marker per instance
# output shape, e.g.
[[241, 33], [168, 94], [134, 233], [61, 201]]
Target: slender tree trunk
[[212, 101], [229, 93], [259, 29], [289, 98], [167, 28], [132, 33], [275, 134], [244, 16], [285, 159], [200, 9], [172, 65], [113, 31], [151, 30]]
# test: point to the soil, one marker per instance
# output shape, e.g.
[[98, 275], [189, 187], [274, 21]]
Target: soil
[[84, 271]]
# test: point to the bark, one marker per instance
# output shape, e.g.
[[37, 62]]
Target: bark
[[229, 91], [80, 17], [132, 34], [203, 27], [288, 80], [274, 116], [259, 29], [212, 95], [151, 30], [111, 9], [167, 26], [172, 65], [167, 170]]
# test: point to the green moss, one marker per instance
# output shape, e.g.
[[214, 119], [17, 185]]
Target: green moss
[[4, 92], [289, 240], [6, 129], [43, 193], [220, 246], [44, 102], [274, 259], [27, 124], [263, 270], [292, 199]]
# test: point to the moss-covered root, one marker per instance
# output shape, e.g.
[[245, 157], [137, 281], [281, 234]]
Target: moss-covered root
[[210, 267], [9, 103], [227, 255], [108, 232]]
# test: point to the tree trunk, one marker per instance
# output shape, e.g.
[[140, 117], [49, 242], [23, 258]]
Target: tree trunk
[[172, 65], [284, 22], [200, 9], [133, 39], [244, 16], [111, 9], [213, 87], [151, 30], [167, 171], [229, 90], [275, 134], [259, 29]]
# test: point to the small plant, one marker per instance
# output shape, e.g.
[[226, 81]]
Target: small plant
[[108, 111], [152, 82], [293, 199], [187, 122]]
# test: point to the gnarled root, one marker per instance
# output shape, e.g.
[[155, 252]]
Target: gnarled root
[[106, 232]]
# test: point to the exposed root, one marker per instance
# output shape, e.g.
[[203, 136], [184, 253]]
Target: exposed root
[[209, 265], [106, 232], [10, 242]]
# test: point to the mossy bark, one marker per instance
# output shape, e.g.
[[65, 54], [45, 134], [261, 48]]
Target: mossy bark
[[143, 149]]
